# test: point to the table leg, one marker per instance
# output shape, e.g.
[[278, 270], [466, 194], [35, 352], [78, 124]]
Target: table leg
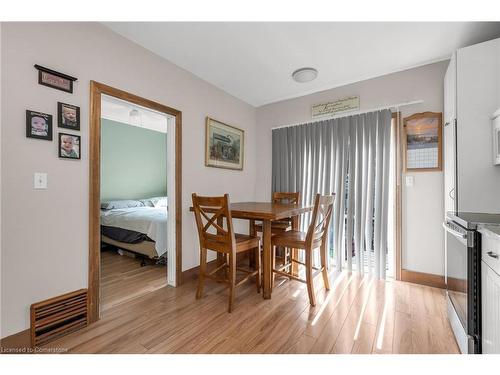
[[266, 259], [295, 252]]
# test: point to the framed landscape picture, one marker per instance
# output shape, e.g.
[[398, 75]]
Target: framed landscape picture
[[422, 142], [223, 145]]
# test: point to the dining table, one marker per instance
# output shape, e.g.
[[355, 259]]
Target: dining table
[[267, 212]]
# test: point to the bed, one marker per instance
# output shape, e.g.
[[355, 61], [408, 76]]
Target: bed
[[136, 226]]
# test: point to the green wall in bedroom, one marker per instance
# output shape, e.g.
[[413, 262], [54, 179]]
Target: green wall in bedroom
[[133, 162]]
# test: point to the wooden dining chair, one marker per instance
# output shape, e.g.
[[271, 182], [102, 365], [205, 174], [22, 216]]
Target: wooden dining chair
[[210, 214], [282, 225], [314, 238]]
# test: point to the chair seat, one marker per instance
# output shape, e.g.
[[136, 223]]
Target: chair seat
[[292, 238], [245, 242], [276, 226]]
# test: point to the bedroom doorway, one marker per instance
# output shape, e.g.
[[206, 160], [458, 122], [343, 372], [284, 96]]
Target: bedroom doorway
[[135, 192]]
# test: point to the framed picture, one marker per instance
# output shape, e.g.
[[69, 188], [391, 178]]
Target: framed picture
[[68, 116], [38, 125], [423, 142], [51, 78], [223, 145], [69, 146]]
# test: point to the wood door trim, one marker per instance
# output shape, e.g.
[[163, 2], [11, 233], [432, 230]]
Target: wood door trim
[[398, 196], [429, 279], [96, 90]]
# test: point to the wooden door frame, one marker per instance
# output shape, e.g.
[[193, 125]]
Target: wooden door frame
[[398, 165], [96, 91]]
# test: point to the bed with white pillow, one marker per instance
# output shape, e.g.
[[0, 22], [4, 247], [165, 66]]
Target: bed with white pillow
[[139, 226]]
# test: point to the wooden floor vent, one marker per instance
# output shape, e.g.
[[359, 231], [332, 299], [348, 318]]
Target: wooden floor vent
[[58, 316]]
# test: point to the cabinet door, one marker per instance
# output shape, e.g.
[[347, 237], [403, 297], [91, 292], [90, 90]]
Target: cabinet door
[[449, 135], [491, 310], [450, 91]]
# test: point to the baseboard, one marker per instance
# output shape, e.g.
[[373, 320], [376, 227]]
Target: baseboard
[[16, 343], [422, 278]]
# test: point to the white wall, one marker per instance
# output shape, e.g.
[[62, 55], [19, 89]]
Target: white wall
[[45, 232], [423, 240]]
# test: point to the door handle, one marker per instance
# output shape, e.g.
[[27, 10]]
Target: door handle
[[492, 254], [450, 193]]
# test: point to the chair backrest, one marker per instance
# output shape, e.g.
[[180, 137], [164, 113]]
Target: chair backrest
[[320, 220], [210, 214], [291, 198]]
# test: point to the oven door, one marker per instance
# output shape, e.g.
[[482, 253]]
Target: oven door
[[456, 270]]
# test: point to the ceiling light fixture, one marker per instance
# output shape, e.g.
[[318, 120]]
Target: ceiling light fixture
[[303, 75], [135, 117]]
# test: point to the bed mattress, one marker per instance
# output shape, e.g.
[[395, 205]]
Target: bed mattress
[[148, 221]]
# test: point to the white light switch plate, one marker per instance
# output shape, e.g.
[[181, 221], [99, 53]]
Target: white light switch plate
[[40, 180], [410, 180]]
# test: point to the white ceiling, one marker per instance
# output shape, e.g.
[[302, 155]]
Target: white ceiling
[[254, 61], [119, 110]]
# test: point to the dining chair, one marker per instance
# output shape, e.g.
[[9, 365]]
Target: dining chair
[[210, 214], [282, 225], [279, 226], [314, 238]]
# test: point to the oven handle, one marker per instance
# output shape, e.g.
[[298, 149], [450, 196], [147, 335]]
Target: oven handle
[[462, 236]]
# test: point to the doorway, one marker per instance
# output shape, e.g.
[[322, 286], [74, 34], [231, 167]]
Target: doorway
[[168, 243]]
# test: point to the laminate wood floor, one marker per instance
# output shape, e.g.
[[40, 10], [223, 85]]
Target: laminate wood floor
[[123, 279], [358, 315]]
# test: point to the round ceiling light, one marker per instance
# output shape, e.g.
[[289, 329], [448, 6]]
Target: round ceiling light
[[304, 75]]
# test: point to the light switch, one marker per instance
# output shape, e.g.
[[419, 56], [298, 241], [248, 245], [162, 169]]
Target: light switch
[[410, 181], [40, 180]]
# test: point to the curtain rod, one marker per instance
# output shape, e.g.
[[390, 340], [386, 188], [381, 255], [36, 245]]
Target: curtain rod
[[351, 114]]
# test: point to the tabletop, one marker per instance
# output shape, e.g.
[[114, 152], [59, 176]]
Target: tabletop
[[266, 210]]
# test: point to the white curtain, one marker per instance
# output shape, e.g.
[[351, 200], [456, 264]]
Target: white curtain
[[350, 157]]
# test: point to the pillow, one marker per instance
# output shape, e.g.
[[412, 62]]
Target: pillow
[[125, 203], [155, 202]]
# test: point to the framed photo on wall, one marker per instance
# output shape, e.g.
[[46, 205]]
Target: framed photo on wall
[[38, 125], [68, 116], [423, 142], [69, 146], [224, 145]]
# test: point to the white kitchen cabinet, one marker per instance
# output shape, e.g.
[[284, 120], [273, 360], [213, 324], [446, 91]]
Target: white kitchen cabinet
[[450, 92], [478, 75], [491, 310]]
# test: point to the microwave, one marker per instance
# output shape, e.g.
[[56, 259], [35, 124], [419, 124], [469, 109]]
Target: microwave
[[496, 137]]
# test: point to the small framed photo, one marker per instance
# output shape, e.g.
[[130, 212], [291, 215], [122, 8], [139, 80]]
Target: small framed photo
[[38, 125], [223, 145], [69, 146], [68, 116]]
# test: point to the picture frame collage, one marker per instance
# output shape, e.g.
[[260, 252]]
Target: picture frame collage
[[39, 125]]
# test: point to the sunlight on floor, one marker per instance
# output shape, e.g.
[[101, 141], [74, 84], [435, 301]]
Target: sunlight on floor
[[365, 302], [330, 294]]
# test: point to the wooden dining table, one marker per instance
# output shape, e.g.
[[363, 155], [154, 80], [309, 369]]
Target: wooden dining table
[[268, 212]]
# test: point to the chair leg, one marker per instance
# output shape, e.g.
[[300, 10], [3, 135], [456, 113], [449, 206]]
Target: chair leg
[[309, 278], [201, 276], [273, 266], [258, 267], [232, 280], [324, 271]]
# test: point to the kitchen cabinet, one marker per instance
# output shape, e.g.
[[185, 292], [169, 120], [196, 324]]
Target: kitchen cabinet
[[450, 80]]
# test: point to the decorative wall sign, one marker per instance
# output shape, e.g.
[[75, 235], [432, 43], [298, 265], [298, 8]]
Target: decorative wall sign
[[422, 142], [38, 125], [68, 116], [350, 103], [69, 146], [223, 145], [56, 80]]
